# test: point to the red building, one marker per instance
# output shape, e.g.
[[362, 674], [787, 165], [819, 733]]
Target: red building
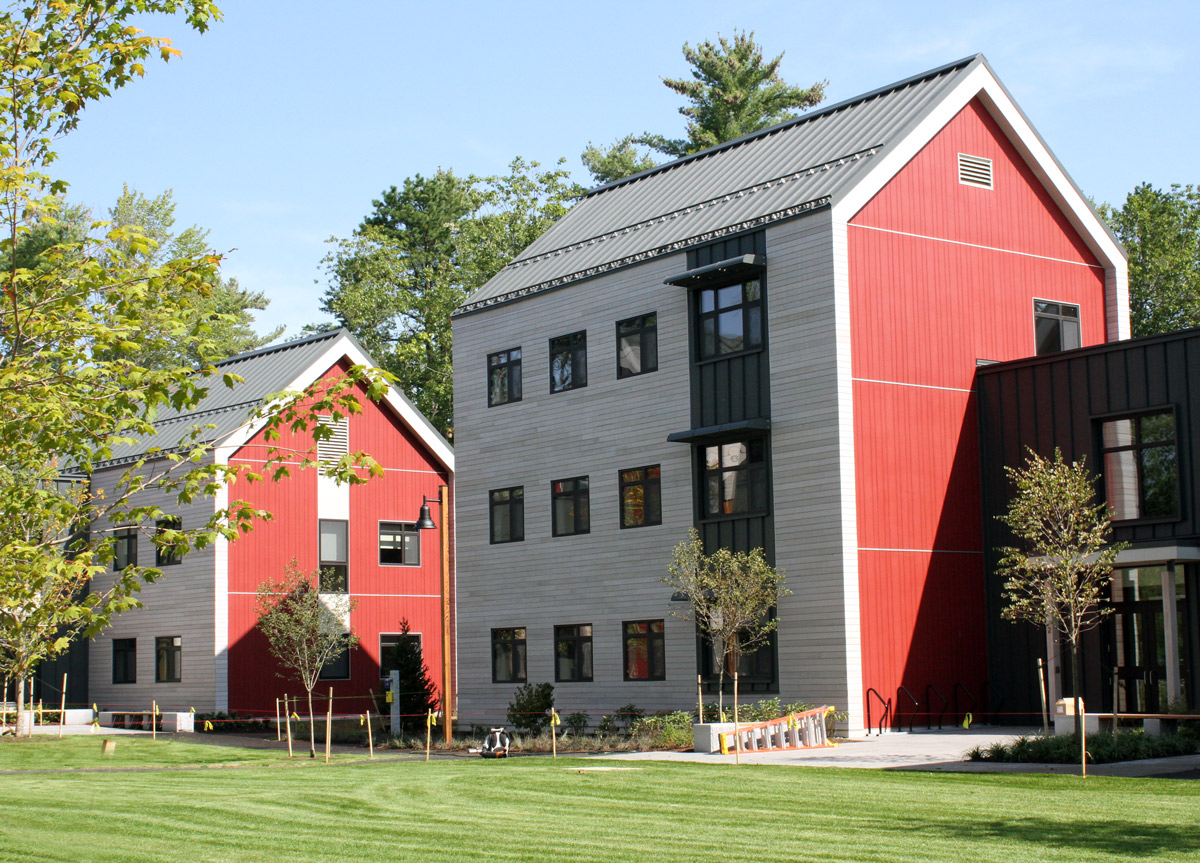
[[194, 641]]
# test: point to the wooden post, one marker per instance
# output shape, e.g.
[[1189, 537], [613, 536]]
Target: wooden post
[[1116, 710], [41, 716], [444, 547], [370, 739], [287, 719], [553, 733], [329, 725], [154, 720], [1042, 692], [429, 720], [278, 730], [62, 710], [1082, 734], [700, 699], [737, 738]]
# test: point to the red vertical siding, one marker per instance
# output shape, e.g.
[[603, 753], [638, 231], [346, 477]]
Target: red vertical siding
[[942, 274], [384, 594]]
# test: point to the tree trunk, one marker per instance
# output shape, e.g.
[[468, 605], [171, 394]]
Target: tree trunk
[[312, 725], [20, 705], [1077, 688]]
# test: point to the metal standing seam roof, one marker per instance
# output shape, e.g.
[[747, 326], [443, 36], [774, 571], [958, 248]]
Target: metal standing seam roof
[[265, 371], [777, 173]]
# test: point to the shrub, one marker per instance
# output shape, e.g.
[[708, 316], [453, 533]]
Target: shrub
[[628, 714], [608, 725], [529, 711], [1102, 748], [576, 723], [664, 731]]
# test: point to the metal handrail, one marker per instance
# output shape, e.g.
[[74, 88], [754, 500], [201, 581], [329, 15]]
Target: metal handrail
[[916, 704], [887, 710], [959, 716], [993, 704], [929, 715]]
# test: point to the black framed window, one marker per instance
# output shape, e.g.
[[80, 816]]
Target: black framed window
[[334, 557], [124, 549], [336, 669], [168, 656], [508, 655], [504, 377], [573, 653], [569, 505], [757, 668], [735, 477], [641, 496], [568, 362], [392, 647], [166, 555], [124, 654], [730, 319], [399, 544], [644, 650], [1141, 466], [637, 345], [506, 512], [1056, 327]]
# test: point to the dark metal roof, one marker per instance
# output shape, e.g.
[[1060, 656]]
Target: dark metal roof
[[777, 173]]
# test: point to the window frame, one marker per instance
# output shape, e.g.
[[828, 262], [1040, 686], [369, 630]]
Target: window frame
[[1136, 448], [743, 305], [576, 349], [641, 333], [514, 506], [128, 664], [576, 495], [520, 648], [172, 647], [508, 364], [585, 657], [324, 565], [650, 637], [761, 467], [1060, 318], [124, 538], [167, 557], [646, 482], [406, 528]]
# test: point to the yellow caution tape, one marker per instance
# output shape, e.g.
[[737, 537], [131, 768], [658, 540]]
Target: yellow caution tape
[[208, 725], [157, 712], [193, 710], [362, 720], [555, 719], [967, 721], [295, 717]]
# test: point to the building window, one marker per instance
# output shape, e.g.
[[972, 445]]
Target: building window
[[504, 377], [570, 506], [392, 646], [399, 544], [645, 650], [730, 319], [1141, 469], [735, 478], [1056, 327], [507, 514], [166, 554], [168, 653], [568, 362], [124, 660], [573, 653], [756, 667], [334, 557], [336, 669], [508, 655], [124, 548], [637, 345], [641, 496]]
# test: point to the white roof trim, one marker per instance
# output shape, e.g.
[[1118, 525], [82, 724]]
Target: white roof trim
[[981, 83], [340, 347]]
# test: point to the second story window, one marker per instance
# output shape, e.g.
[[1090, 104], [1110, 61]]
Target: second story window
[[507, 514], [735, 478], [399, 544], [504, 377], [124, 548], [637, 345], [1056, 326], [568, 362], [166, 553], [334, 557], [1141, 470], [730, 319], [641, 496], [570, 506]]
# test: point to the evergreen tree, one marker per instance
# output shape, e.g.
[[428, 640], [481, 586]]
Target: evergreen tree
[[417, 693]]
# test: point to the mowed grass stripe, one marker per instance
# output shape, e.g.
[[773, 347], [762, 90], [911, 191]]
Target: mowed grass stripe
[[539, 809]]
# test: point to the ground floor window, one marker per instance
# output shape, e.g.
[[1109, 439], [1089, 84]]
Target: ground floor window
[[573, 652], [508, 655], [336, 669], [645, 650], [124, 669], [757, 668], [168, 655], [394, 648]]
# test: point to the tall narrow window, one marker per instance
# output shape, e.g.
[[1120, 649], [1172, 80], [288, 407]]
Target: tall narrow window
[[508, 655], [165, 552], [124, 548], [730, 319], [507, 514], [568, 362], [573, 652], [735, 478], [569, 500], [399, 544], [637, 345], [334, 557], [168, 656], [124, 660], [1141, 470], [645, 650], [641, 496], [504, 377], [392, 648], [1056, 327]]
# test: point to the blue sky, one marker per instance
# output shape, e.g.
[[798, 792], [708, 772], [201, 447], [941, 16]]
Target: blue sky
[[278, 127]]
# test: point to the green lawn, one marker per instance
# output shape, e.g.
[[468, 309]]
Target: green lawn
[[533, 809], [83, 751]]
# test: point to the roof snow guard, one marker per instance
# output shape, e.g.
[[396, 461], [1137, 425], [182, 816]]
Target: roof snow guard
[[782, 172]]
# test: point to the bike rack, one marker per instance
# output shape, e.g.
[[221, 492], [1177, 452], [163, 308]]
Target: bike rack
[[929, 715], [887, 710], [916, 704]]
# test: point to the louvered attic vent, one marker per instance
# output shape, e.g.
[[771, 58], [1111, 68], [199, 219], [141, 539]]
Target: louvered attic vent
[[974, 171], [333, 448]]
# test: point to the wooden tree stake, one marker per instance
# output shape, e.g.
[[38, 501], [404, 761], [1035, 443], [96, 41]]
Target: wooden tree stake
[[329, 725]]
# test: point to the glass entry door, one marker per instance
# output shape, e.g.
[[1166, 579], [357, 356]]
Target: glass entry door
[[1138, 645]]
